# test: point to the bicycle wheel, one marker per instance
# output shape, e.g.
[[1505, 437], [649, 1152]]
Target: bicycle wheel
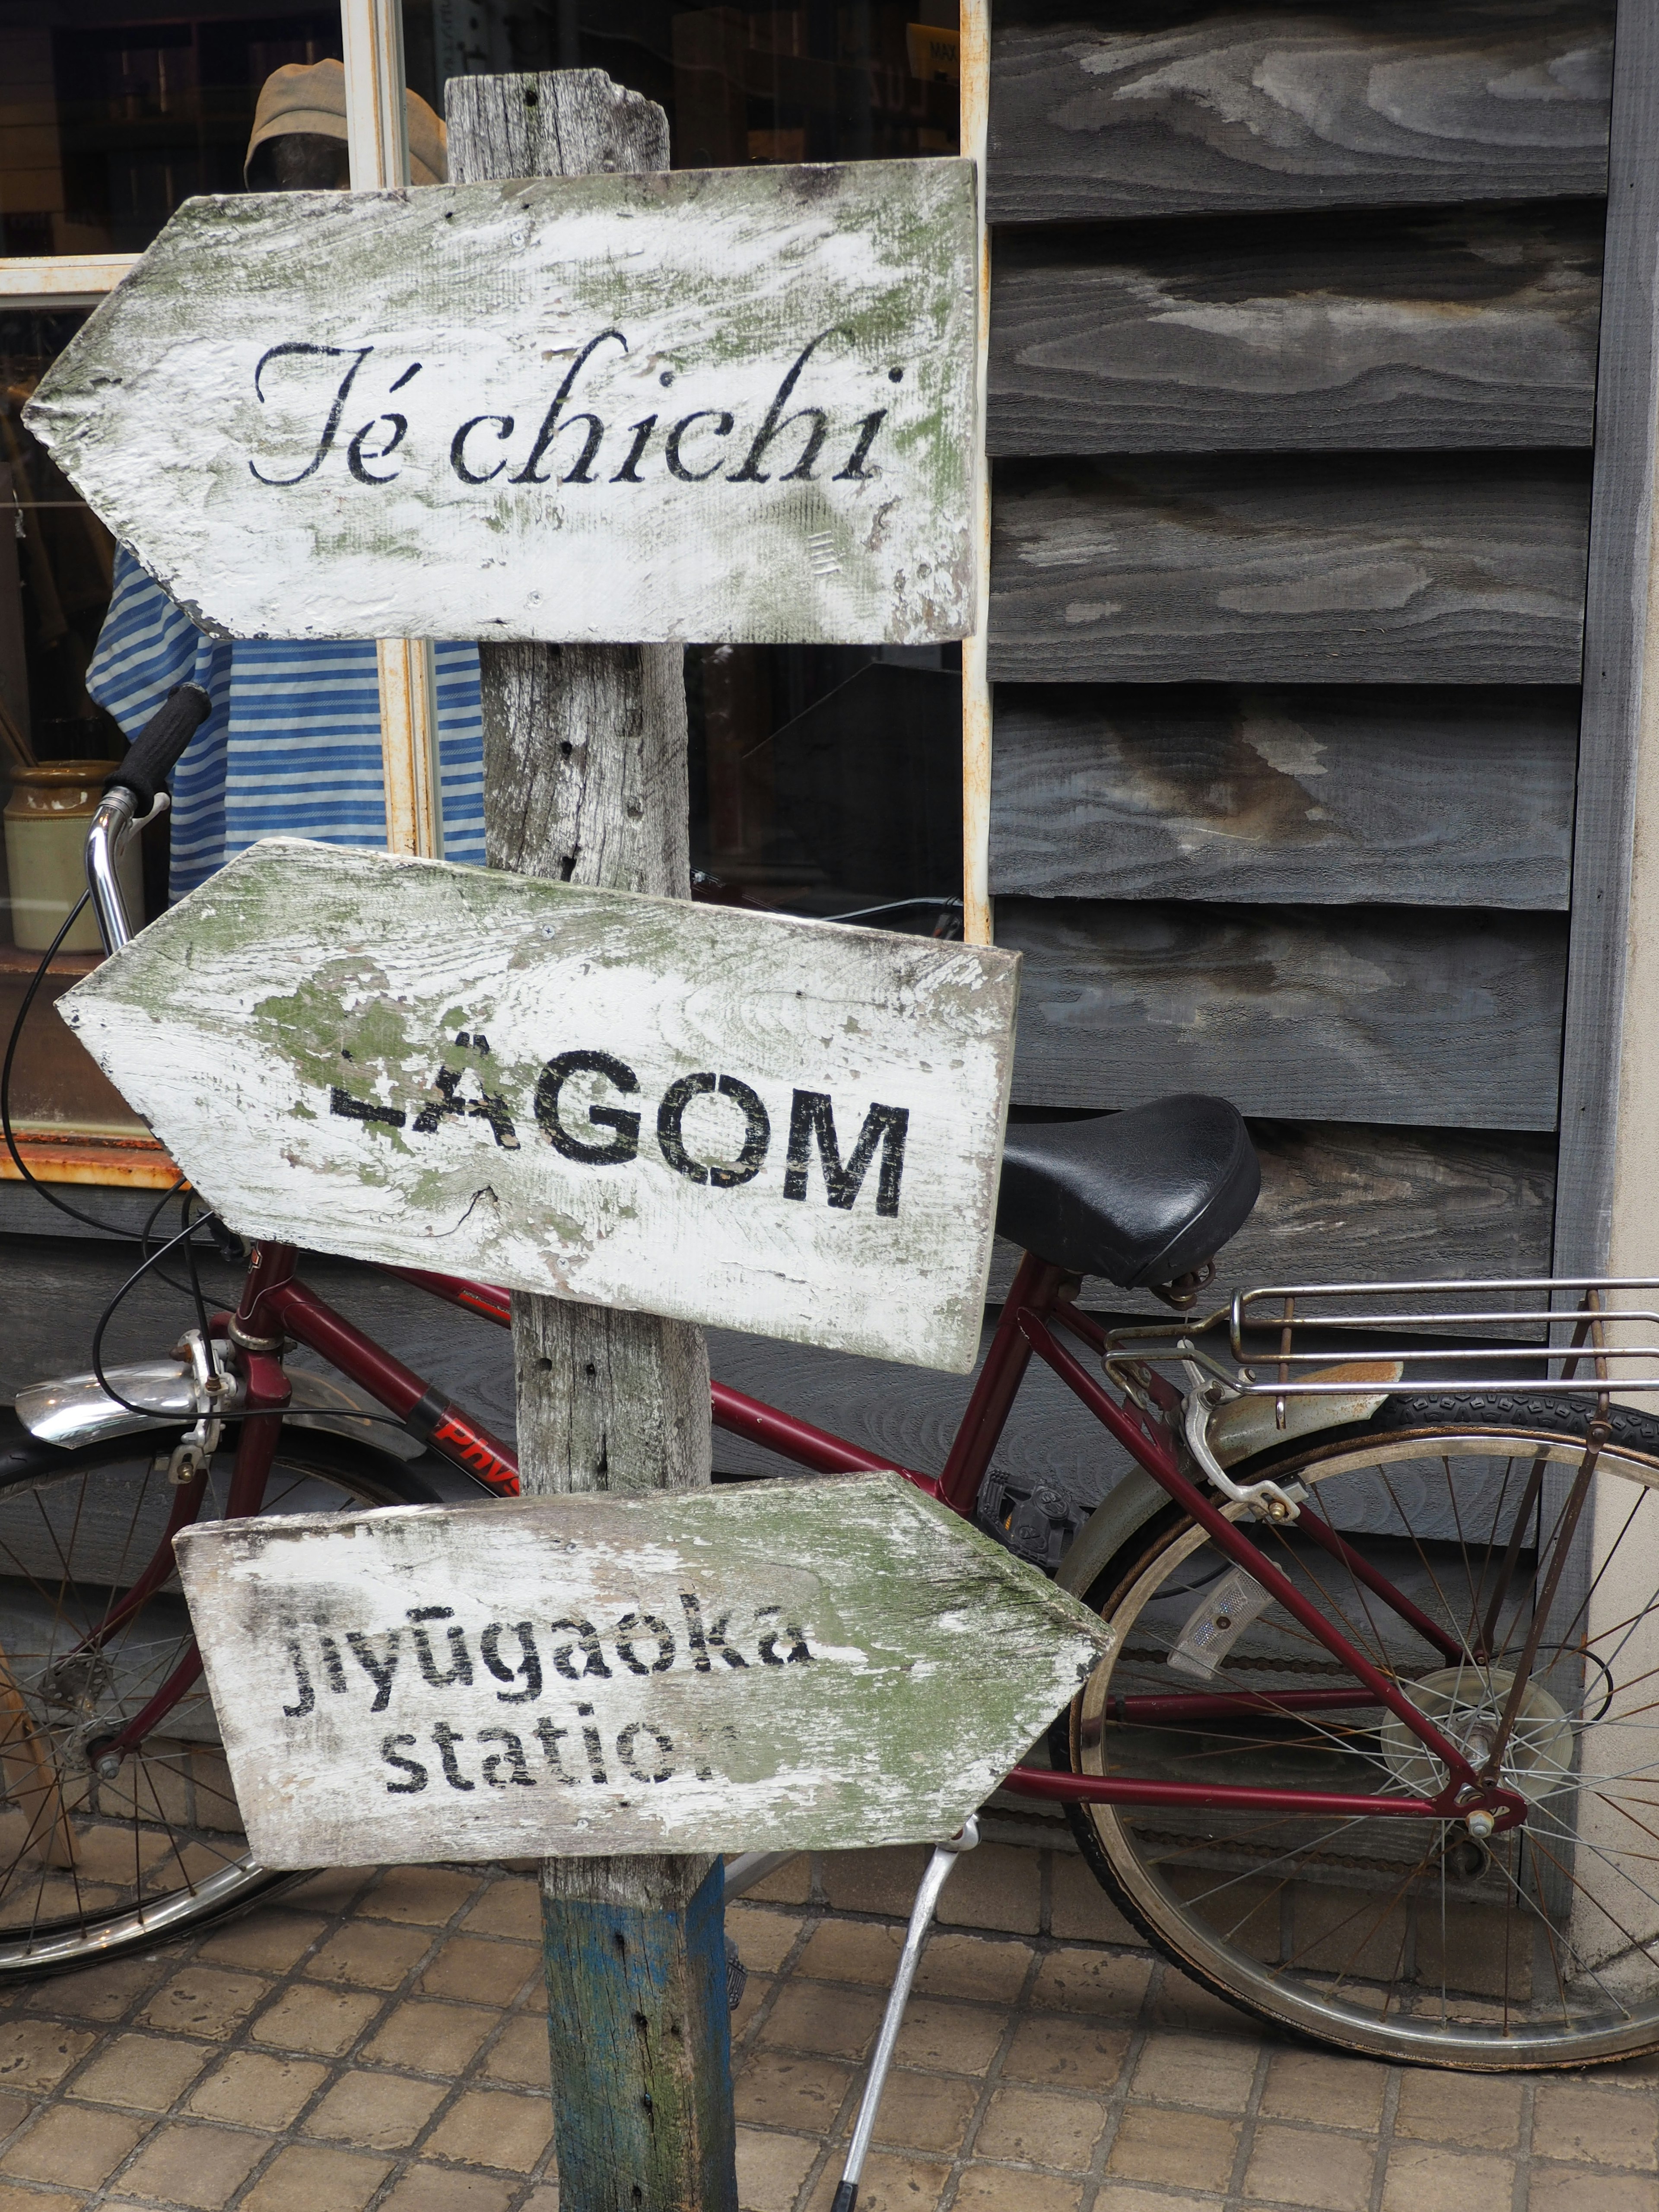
[[91, 1866], [1403, 1939]]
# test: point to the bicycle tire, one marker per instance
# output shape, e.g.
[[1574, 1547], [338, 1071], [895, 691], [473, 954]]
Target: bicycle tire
[[158, 1852], [1377, 1938]]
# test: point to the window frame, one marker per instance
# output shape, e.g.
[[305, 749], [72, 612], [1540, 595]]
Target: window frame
[[378, 138]]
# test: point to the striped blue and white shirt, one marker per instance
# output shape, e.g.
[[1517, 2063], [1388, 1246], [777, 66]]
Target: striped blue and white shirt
[[293, 745]]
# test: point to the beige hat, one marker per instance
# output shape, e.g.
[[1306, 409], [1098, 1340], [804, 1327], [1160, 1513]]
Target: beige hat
[[313, 97]]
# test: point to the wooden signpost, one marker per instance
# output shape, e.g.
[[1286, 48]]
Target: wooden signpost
[[786, 1127], [709, 404], [618, 403], [790, 1666]]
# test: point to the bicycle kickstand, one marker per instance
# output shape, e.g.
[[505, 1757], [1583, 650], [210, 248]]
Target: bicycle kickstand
[[933, 1881]]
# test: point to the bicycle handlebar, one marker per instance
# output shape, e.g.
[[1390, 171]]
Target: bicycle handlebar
[[155, 752], [130, 796]]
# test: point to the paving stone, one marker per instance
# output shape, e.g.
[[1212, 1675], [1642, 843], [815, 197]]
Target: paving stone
[[333, 1891], [765, 1936], [1107, 1985], [972, 1966], [1046, 2126], [304, 2178], [819, 2017], [1295, 2166], [479, 1971], [258, 2091], [998, 1885], [99, 1992], [492, 2127], [1595, 2126], [205, 2001], [1475, 2111], [186, 2162], [1572, 2189], [775, 2089], [269, 1941], [1321, 2086], [213, 2075], [925, 2112], [950, 2038], [374, 1954], [377, 2111], [1190, 2150], [889, 2185], [1420, 2179], [429, 1897], [1059, 2051], [510, 1906], [875, 1881], [430, 2038], [520, 2054], [1128, 2197], [789, 1884], [442, 2189], [771, 2169], [1079, 1909], [1179, 2002], [1202, 2070], [757, 1988], [71, 2146], [309, 2017], [147, 2072], [36, 2054], [1011, 2188]]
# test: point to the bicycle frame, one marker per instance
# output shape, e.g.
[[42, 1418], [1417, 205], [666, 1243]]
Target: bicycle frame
[[277, 1307]]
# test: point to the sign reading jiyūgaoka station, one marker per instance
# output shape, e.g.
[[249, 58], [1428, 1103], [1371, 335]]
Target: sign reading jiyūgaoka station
[[801, 1664], [701, 404]]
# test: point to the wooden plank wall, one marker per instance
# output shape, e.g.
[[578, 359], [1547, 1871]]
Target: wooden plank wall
[[1294, 329]]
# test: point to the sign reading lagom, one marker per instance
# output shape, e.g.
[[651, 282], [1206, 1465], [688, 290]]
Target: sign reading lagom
[[697, 405], [795, 1666], [789, 1127]]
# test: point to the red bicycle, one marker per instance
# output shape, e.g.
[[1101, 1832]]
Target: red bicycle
[[1374, 1755]]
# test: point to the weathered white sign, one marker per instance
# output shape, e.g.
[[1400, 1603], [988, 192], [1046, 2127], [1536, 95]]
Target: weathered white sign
[[789, 1666], [698, 405], [787, 1126]]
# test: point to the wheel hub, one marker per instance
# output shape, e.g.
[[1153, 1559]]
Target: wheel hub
[[1466, 1704]]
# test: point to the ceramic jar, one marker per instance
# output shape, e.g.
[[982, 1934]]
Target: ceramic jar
[[47, 817]]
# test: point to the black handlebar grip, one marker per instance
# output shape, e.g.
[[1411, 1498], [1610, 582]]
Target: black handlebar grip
[[154, 753]]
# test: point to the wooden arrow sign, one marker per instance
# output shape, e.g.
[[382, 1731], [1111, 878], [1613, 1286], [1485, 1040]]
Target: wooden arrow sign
[[696, 405], [787, 1126], [790, 1666]]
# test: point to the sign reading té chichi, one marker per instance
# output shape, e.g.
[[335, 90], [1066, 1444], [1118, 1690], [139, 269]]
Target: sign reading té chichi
[[790, 1666], [721, 405], [789, 1127]]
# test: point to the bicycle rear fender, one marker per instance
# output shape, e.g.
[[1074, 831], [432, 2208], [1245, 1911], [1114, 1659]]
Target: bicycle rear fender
[[1241, 1429]]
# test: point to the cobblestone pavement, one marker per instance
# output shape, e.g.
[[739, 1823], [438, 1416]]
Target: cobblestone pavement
[[378, 2044]]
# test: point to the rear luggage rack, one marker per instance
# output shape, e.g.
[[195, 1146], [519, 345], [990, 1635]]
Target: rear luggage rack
[[1568, 1321]]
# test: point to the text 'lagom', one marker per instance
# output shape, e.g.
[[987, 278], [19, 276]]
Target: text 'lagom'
[[607, 1135]]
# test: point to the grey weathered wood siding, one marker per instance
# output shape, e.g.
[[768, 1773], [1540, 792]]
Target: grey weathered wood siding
[[1298, 338], [1180, 107]]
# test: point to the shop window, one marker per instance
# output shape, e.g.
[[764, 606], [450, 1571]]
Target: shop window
[[824, 779]]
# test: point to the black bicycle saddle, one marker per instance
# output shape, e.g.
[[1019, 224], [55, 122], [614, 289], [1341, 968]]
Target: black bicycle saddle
[[1144, 1196]]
